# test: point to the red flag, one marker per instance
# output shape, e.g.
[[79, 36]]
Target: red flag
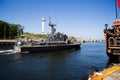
[[118, 3]]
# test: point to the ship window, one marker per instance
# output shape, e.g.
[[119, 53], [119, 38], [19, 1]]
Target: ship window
[[118, 41], [111, 41]]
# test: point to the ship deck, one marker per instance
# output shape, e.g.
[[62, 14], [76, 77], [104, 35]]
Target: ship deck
[[113, 76], [112, 73]]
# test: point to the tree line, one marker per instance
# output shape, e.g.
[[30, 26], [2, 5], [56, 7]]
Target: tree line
[[10, 31]]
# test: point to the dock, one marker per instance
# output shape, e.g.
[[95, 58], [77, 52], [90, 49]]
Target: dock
[[7, 46], [7, 41]]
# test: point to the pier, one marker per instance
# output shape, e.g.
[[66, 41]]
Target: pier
[[7, 42], [7, 45]]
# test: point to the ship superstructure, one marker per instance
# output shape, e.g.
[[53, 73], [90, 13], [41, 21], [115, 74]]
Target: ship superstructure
[[112, 38]]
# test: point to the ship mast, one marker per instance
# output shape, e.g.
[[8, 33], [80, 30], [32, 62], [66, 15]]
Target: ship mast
[[116, 11], [116, 8]]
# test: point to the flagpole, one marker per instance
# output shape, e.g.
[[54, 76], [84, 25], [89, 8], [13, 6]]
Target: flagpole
[[116, 10]]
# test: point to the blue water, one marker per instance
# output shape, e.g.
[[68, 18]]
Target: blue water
[[62, 65]]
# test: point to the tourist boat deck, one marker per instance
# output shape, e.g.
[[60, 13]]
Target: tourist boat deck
[[112, 73]]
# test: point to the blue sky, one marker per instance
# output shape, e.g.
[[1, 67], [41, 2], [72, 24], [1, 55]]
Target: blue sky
[[79, 18]]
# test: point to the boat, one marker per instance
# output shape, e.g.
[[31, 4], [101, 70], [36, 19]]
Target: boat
[[112, 39], [55, 41], [112, 36], [111, 73]]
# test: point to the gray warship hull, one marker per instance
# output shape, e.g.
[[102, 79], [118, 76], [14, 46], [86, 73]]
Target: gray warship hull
[[48, 48]]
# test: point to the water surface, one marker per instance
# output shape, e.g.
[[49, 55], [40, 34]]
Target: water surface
[[62, 65]]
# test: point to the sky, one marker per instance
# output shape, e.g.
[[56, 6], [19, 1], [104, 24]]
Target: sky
[[79, 18]]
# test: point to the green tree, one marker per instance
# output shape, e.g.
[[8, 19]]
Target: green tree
[[13, 31], [16, 30], [10, 31], [4, 30]]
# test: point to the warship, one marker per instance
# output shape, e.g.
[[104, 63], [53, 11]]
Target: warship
[[55, 41]]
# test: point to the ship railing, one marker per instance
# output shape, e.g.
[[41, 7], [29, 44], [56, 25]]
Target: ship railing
[[53, 42], [114, 47], [43, 43]]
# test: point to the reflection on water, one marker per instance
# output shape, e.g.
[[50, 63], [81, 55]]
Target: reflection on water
[[9, 58], [62, 65]]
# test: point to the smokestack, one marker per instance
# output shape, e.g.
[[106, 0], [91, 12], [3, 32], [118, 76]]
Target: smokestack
[[43, 25]]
